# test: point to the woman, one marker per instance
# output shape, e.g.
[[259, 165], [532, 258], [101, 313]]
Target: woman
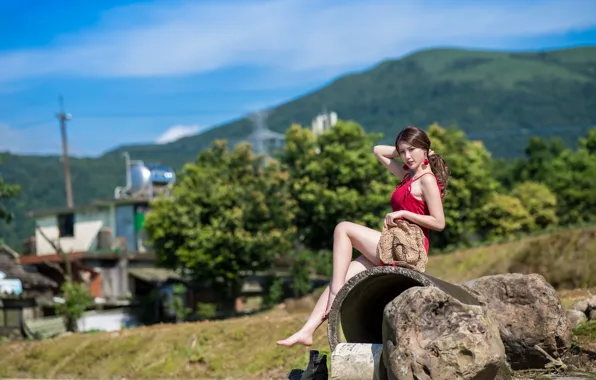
[[418, 198]]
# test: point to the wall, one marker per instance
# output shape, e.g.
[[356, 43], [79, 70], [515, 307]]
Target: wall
[[106, 321], [86, 228]]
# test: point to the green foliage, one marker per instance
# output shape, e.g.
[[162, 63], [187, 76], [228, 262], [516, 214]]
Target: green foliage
[[274, 291], [7, 191], [229, 214], [540, 202], [334, 178], [178, 303], [504, 215], [76, 301], [499, 98], [471, 184], [573, 179], [206, 310], [301, 272]]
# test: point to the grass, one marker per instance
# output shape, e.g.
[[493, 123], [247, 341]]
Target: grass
[[566, 258], [235, 348], [240, 348], [245, 347]]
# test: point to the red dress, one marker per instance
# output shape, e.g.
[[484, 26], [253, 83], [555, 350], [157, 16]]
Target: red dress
[[402, 199]]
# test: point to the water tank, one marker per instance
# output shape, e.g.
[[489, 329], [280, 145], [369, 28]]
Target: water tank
[[140, 177], [161, 174], [29, 246], [104, 238]]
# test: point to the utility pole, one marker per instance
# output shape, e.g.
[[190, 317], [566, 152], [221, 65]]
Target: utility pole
[[63, 118]]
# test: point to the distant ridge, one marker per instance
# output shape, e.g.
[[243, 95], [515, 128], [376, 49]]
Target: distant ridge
[[501, 98]]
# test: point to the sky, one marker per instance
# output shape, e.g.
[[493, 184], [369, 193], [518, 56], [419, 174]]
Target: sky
[[154, 71]]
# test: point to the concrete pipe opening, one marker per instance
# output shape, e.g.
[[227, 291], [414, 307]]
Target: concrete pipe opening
[[358, 307]]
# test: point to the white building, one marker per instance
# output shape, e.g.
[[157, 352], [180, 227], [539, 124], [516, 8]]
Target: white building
[[323, 122]]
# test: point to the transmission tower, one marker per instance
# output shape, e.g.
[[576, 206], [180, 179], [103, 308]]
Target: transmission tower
[[262, 137]]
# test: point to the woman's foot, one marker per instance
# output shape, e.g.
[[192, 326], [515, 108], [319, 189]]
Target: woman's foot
[[301, 337]]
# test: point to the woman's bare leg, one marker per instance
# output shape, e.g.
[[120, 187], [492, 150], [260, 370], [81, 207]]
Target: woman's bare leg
[[349, 235], [304, 335], [364, 240]]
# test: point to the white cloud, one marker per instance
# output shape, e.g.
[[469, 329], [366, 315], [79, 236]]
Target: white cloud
[[288, 35], [177, 132]]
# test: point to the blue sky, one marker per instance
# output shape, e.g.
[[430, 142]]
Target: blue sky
[[151, 71]]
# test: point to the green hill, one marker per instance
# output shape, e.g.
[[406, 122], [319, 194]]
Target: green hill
[[500, 98]]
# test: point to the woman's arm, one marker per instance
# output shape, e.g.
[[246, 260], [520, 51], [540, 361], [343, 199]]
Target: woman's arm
[[385, 155], [432, 197]]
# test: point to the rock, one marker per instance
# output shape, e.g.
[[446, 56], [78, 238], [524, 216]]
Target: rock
[[529, 312], [427, 334], [581, 306], [592, 315], [591, 303], [576, 317]]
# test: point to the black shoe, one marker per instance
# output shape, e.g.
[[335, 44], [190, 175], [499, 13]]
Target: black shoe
[[317, 367], [295, 374]]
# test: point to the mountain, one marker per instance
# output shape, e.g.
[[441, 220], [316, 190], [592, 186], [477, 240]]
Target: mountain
[[501, 98]]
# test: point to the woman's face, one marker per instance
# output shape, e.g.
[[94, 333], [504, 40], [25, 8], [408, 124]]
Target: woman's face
[[411, 155]]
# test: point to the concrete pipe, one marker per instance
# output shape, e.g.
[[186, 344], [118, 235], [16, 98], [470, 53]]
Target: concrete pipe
[[359, 304], [356, 361]]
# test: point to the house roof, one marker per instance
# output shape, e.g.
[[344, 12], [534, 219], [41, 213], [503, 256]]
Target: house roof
[[11, 269], [154, 274], [102, 203]]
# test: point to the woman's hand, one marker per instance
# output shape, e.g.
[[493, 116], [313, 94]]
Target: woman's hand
[[389, 218]]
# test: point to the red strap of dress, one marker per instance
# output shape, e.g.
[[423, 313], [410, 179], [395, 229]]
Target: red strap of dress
[[408, 178]]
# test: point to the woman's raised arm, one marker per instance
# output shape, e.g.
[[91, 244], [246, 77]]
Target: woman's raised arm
[[385, 155]]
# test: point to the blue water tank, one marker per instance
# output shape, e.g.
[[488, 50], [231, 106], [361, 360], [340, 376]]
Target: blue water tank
[[161, 174]]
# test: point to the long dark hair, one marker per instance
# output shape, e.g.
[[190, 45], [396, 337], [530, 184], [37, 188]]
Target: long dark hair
[[419, 139]]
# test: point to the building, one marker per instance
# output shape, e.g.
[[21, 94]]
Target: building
[[23, 294], [104, 242], [323, 123]]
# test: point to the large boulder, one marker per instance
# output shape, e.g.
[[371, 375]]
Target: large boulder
[[428, 334], [528, 312]]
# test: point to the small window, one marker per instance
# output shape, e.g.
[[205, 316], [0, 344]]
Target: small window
[[12, 317], [66, 225]]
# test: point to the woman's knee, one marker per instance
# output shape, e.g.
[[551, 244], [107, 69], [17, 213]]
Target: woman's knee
[[342, 228]]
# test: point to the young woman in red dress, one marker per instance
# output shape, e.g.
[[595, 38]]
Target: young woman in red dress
[[418, 199]]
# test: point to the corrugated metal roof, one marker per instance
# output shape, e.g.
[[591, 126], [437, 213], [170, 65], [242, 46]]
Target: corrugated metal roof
[[12, 269], [154, 274]]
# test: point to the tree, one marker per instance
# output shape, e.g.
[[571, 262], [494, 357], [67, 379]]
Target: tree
[[7, 191], [76, 301], [335, 177], [540, 202], [504, 215], [572, 176], [540, 154], [470, 187], [229, 214]]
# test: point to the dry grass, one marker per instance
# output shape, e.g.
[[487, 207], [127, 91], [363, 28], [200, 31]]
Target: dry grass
[[236, 348], [245, 348], [242, 348], [567, 259]]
